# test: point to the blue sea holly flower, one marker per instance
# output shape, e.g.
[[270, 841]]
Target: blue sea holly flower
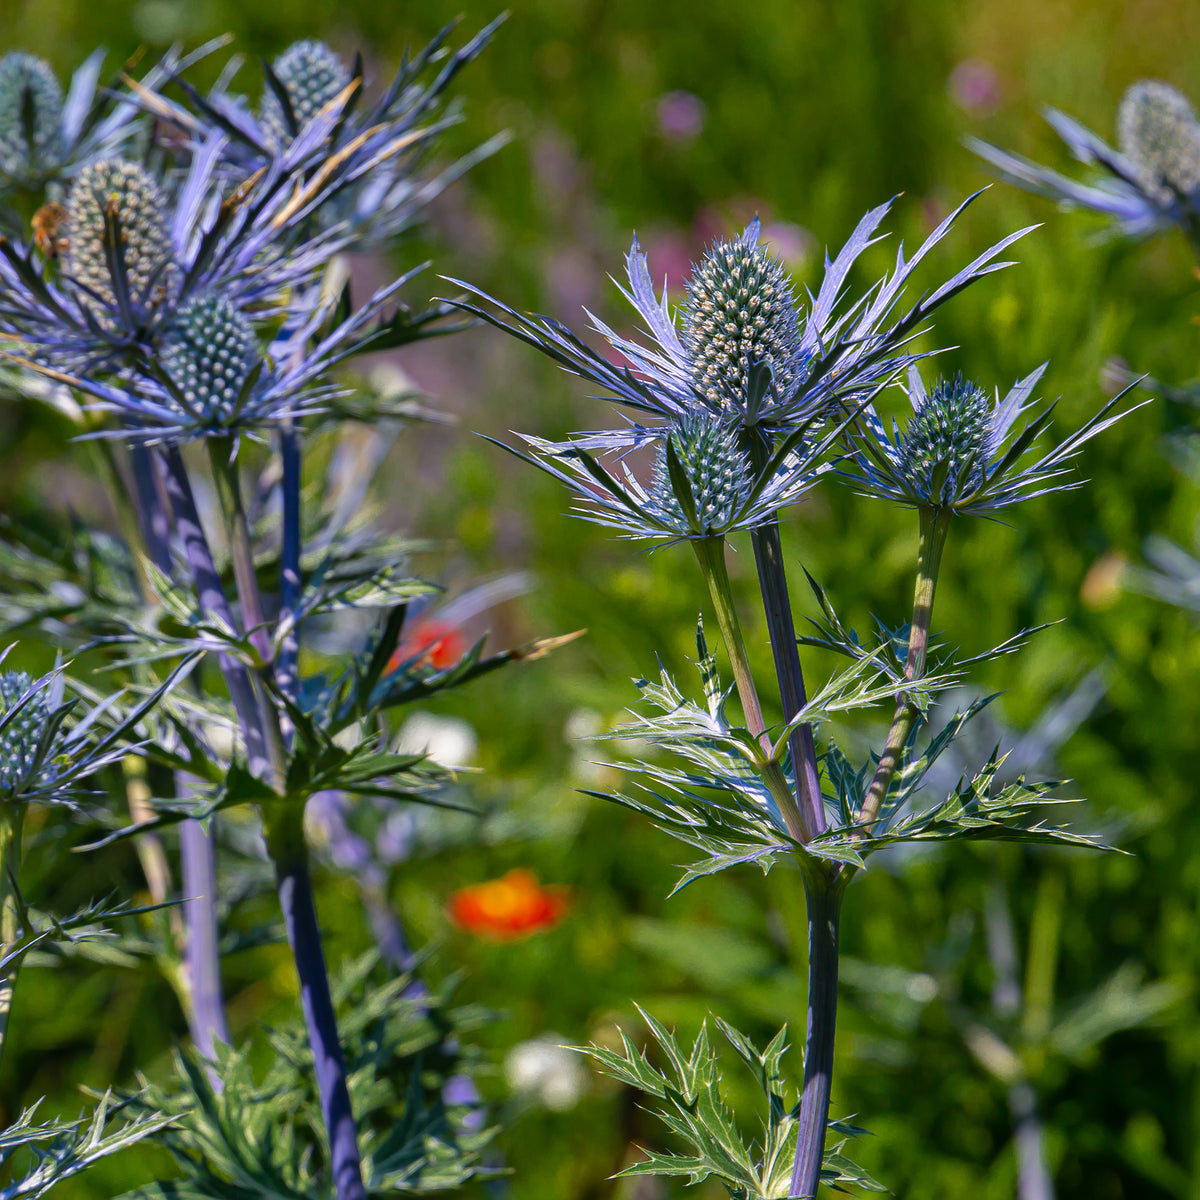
[[208, 355], [314, 112], [957, 451], [1150, 183], [702, 483], [304, 79], [748, 353], [740, 315], [119, 253], [31, 107], [47, 748]]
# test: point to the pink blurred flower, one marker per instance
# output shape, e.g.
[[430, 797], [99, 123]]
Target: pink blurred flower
[[681, 116], [975, 87]]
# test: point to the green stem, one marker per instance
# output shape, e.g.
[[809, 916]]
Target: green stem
[[229, 491], [710, 553], [935, 522], [10, 860]]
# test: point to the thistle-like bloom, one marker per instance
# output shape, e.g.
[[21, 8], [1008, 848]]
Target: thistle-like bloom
[[955, 452], [47, 752], [308, 76], [31, 108], [47, 138], [378, 147], [703, 483], [119, 254], [748, 354], [1150, 183]]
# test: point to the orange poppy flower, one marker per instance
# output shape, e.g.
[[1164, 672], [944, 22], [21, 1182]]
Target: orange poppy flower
[[513, 906]]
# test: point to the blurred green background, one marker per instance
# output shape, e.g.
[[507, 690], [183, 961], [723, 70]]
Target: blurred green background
[[680, 121]]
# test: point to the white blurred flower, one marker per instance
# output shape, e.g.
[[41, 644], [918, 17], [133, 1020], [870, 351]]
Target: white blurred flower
[[544, 1071], [450, 741]]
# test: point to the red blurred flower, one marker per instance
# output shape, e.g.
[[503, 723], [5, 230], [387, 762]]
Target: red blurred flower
[[510, 907], [432, 643]]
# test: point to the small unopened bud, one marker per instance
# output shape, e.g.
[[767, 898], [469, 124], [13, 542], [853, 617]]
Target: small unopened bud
[[31, 103], [115, 198], [208, 354], [943, 452], [1158, 131], [717, 471], [311, 75], [740, 313]]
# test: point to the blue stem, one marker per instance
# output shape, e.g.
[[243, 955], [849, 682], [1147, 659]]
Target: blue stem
[[215, 606], [823, 890], [285, 839], [206, 1012]]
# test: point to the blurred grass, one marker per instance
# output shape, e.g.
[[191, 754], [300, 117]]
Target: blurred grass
[[812, 113]]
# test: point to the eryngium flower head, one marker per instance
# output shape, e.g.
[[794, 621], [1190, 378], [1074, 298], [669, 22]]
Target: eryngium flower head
[[740, 312], [711, 465], [1157, 130], [1151, 183], [310, 76], [703, 483], [955, 453], [944, 443], [208, 355], [778, 375], [31, 103], [119, 253], [23, 727]]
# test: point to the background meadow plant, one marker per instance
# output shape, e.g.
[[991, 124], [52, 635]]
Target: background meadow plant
[[540, 226]]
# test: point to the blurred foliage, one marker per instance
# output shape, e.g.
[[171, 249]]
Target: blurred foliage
[[808, 114]]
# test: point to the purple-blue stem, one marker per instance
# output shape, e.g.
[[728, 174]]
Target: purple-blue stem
[[205, 1010], [289, 853], [214, 606], [283, 822], [823, 891], [772, 582]]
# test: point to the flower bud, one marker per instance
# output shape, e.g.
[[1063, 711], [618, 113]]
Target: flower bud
[[311, 75], [717, 470], [1158, 131], [208, 354], [20, 738], [739, 313], [125, 192], [31, 103], [944, 448]]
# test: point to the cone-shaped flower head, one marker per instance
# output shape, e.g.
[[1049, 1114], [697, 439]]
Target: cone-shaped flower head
[[208, 355], [945, 444], [740, 312], [1158, 131], [21, 734], [717, 472], [311, 76], [31, 102], [118, 247], [958, 451]]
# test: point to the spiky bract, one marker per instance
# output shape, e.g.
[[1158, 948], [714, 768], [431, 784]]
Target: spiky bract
[[31, 102], [944, 447], [740, 311], [1157, 130], [21, 735], [717, 471], [311, 76], [116, 215], [208, 355]]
